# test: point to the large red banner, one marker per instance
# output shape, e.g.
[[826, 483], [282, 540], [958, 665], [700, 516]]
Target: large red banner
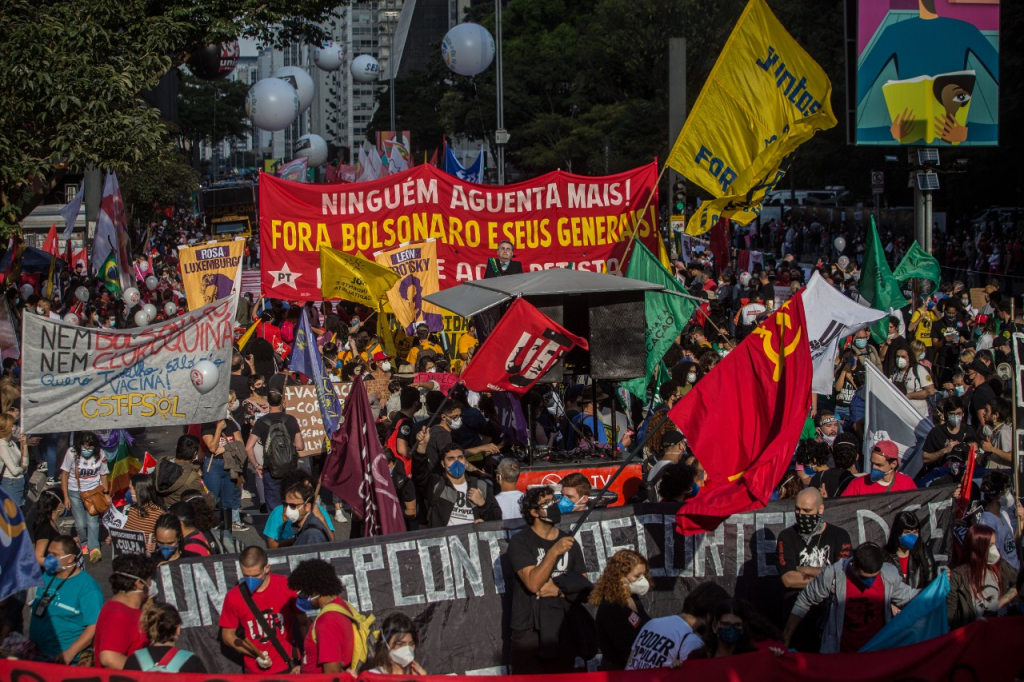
[[984, 650], [556, 220]]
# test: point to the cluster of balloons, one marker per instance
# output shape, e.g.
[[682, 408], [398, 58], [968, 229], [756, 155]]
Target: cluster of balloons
[[468, 49]]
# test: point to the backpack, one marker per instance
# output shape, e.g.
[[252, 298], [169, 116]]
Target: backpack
[[364, 638], [171, 662], [279, 456]]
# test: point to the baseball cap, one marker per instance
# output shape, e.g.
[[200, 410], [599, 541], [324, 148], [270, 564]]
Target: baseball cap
[[380, 356], [671, 438], [979, 367], [888, 449]]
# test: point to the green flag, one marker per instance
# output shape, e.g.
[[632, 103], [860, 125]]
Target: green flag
[[666, 314], [108, 273], [917, 264], [878, 285]]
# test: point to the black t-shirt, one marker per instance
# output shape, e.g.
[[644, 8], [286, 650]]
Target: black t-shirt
[[953, 332], [240, 385], [261, 428], [825, 548], [44, 530], [983, 397], [407, 430], [226, 435], [835, 481], [403, 484], [617, 628], [526, 548], [192, 665], [940, 435], [440, 438], [767, 292]]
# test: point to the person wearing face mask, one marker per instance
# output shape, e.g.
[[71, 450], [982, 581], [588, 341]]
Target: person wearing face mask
[[620, 613], [456, 497], [804, 550], [118, 632], [907, 375], [861, 592], [264, 604], [576, 492], [673, 447], [539, 555], [827, 428], [730, 632], [1003, 513], [884, 475], [65, 610], [945, 436], [442, 435], [949, 334], [402, 438], [49, 508], [981, 584], [84, 470], [909, 552], [395, 653], [865, 350], [298, 510], [168, 538], [330, 641]]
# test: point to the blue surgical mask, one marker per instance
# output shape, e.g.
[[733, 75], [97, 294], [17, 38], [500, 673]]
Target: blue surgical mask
[[694, 490], [457, 469], [908, 541], [167, 551], [877, 475], [565, 504], [252, 583], [729, 634], [866, 582], [128, 497], [809, 471], [860, 343], [305, 604], [88, 452], [51, 564], [959, 390]]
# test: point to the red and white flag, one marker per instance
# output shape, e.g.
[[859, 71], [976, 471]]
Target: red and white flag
[[50, 245], [522, 348], [112, 232]]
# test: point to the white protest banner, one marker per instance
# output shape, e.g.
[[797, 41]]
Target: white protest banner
[[78, 379]]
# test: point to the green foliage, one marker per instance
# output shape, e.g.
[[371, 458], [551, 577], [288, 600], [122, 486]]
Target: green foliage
[[162, 178], [210, 111], [71, 73]]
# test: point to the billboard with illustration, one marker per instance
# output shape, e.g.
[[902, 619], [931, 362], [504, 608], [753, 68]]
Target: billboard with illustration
[[927, 72]]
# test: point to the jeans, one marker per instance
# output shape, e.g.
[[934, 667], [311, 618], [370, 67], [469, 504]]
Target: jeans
[[88, 526], [271, 490], [45, 452], [15, 487], [218, 482]]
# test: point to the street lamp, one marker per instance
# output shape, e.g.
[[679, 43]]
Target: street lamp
[[392, 17], [500, 135]]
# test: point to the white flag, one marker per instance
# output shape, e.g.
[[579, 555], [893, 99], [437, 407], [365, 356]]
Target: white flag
[[70, 213], [397, 162], [367, 172], [889, 415], [831, 317]]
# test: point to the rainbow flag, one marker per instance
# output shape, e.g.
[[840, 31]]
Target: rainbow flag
[[121, 462]]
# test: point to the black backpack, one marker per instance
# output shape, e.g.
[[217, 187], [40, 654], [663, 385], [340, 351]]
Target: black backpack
[[279, 455]]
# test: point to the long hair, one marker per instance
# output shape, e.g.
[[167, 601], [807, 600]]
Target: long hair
[[160, 622], [736, 608], [976, 544], [611, 586], [904, 521], [145, 493], [393, 625]]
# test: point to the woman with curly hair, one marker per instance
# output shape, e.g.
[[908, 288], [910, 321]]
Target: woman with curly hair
[[620, 615]]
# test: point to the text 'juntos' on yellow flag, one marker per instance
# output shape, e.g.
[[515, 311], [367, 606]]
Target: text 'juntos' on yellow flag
[[353, 278], [764, 98]]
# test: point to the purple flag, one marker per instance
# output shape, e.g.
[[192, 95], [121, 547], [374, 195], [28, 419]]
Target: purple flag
[[510, 415], [356, 469]]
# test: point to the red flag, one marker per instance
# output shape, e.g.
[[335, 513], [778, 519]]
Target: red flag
[[148, 464], [720, 244], [356, 469], [965, 491], [743, 421], [521, 349], [50, 245], [331, 171], [433, 158], [81, 256]]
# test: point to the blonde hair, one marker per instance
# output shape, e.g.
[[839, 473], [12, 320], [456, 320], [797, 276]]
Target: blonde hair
[[160, 622], [611, 586], [6, 426], [917, 347], [9, 392]]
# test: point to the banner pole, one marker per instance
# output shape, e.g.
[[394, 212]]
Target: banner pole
[[638, 448], [643, 211], [1014, 444]]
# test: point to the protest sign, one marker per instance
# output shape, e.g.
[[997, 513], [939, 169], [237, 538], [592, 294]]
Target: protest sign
[[455, 583], [77, 379], [300, 402], [209, 272], [416, 267], [127, 542], [445, 380], [555, 220]]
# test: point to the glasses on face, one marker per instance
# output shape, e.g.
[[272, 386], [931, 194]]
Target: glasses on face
[[294, 505]]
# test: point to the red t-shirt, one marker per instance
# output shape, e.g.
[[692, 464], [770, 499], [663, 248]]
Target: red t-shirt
[[862, 485], [118, 629], [904, 563], [277, 603], [334, 642], [864, 615]]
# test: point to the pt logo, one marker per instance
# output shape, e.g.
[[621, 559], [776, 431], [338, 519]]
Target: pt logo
[[777, 353], [532, 356]]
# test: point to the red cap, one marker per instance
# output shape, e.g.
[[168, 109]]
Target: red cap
[[379, 356], [888, 449]]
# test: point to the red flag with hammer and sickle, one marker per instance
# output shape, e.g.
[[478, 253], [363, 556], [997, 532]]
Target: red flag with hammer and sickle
[[743, 420]]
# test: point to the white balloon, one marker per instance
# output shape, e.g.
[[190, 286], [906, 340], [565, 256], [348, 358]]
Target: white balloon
[[365, 68], [141, 318], [152, 282], [204, 376], [170, 309], [150, 311], [468, 49], [82, 294], [272, 104], [328, 56], [71, 318], [314, 148], [131, 296], [301, 81], [26, 290], [843, 262], [839, 243]]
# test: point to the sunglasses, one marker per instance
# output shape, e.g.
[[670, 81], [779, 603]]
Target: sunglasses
[[298, 505]]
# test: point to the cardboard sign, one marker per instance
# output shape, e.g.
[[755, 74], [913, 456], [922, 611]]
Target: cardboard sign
[[127, 541], [300, 402]]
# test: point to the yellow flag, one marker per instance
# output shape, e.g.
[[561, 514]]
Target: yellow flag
[[663, 255], [353, 278], [247, 335], [764, 98]]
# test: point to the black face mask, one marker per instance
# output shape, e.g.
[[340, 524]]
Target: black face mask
[[553, 515], [261, 391], [807, 523]]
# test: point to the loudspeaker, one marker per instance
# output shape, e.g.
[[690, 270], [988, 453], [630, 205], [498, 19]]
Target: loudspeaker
[[617, 339]]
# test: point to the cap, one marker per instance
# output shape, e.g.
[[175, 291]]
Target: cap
[[888, 449], [671, 438], [1000, 341], [979, 367], [380, 356]]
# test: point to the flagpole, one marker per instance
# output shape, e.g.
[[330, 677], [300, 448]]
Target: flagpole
[[636, 227], [1015, 447]]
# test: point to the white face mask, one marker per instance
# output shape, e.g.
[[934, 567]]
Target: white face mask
[[456, 423], [901, 363], [691, 378], [993, 555], [1007, 501], [291, 514], [403, 656], [920, 356], [640, 587], [385, 366]]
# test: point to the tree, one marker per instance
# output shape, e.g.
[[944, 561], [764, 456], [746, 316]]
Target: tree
[[162, 178], [71, 73], [209, 112]]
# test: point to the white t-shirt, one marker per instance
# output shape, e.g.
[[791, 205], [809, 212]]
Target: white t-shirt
[[462, 512], [509, 503], [916, 380], [661, 642], [89, 470], [1004, 528]]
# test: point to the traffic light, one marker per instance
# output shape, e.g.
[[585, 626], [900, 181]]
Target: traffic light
[[679, 196]]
